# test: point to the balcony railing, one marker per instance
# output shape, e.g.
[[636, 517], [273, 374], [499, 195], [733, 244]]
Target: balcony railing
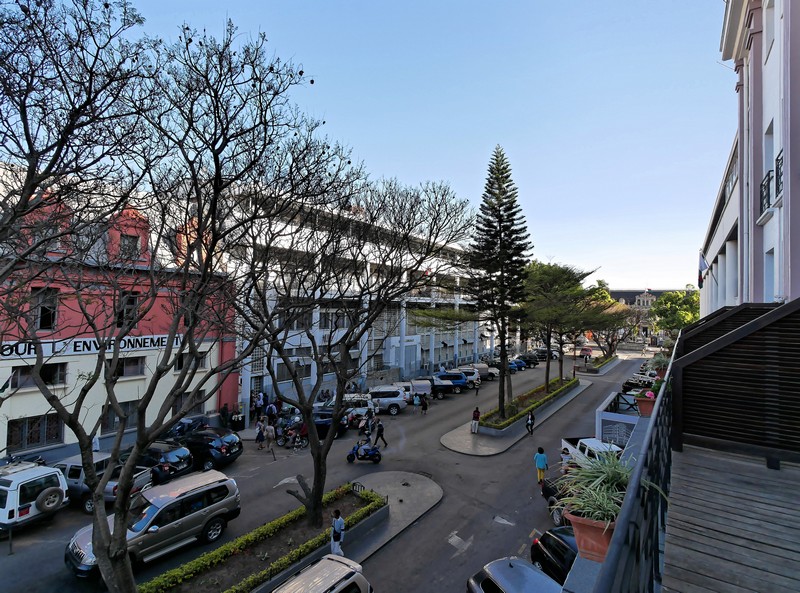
[[766, 200], [779, 174], [633, 564]]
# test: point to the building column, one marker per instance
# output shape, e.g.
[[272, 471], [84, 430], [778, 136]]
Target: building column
[[731, 273], [722, 295]]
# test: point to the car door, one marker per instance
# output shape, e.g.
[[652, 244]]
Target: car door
[[194, 510], [169, 521]]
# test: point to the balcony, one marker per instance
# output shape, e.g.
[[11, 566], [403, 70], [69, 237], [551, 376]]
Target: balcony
[[723, 444], [766, 197], [779, 175]]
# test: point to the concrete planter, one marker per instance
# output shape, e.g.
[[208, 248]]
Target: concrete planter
[[353, 534], [518, 427]]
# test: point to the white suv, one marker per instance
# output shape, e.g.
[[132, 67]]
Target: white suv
[[391, 398], [29, 492]]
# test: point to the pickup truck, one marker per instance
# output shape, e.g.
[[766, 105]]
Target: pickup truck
[[552, 493], [581, 449], [637, 381]]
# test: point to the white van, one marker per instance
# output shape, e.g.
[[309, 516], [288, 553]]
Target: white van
[[329, 574]]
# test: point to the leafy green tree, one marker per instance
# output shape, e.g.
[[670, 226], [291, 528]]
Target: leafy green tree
[[676, 309], [498, 258]]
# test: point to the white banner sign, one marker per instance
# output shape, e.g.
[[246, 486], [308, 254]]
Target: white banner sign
[[84, 346]]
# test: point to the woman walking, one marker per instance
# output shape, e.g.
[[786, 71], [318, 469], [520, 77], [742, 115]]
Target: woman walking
[[540, 461], [260, 432], [424, 405]]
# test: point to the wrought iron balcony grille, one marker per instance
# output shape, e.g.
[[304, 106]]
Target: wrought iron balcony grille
[[779, 174], [766, 197]]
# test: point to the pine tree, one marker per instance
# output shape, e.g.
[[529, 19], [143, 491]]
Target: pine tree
[[498, 258]]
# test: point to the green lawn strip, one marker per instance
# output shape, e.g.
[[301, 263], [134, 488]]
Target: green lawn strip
[[524, 404], [605, 361], [196, 567]]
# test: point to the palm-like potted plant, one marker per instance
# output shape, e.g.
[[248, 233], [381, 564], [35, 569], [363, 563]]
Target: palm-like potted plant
[[596, 490], [659, 363]]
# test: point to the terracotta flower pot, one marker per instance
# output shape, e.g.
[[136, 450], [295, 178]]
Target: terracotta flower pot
[[592, 537], [645, 405]]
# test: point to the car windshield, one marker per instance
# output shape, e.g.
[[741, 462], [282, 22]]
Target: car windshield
[[141, 513], [230, 439], [174, 456]]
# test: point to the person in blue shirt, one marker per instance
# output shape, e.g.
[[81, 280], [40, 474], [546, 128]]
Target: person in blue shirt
[[540, 460]]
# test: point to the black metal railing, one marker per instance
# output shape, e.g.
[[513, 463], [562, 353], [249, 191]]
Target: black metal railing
[[779, 174], [766, 200], [633, 563]]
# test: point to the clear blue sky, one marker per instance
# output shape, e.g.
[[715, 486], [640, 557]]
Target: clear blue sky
[[616, 117]]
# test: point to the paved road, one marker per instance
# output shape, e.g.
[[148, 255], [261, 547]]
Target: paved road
[[482, 495]]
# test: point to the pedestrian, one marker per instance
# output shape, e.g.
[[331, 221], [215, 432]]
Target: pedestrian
[[269, 436], [424, 404], [259, 404], [224, 415], [379, 433], [337, 533], [441, 368], [260, 432], [477, 389], [540, 461], [529, 422], [476, 418], [272, 414], [416, 402], [566, 459]]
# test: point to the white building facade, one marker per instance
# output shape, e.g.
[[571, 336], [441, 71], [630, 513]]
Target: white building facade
[[749, 244]]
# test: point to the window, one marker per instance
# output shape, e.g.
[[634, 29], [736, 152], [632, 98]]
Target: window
[[44, 304], [36, 431], [169, 515], [189, 359], [28, 491], [111, 421], [217, 494], [193, 504], [768, 27], [184, 398], [129, 247], [127, 309], [52, 374], [132, 366]]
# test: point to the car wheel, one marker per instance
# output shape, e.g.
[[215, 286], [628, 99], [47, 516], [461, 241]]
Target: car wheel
[[87, 504], [213, 530], [456, 389], [491, 377], [471, 384], [556, 512], [394, 410], [376, 458], [350, 458], [49, 500], [440, 395], [538, 565], [208, 464]]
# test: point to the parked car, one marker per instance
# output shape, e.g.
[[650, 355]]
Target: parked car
[[323, 420], [512, 368], [440, 387], [473, 376], [529, 358], [165, 518], [541, 354], [519, 364], [79, 493], [390, 398], [554, 551], [415, 387], [213, 448], [187, 425], [511, 575], [167, 460], [30, 492], [355, 405], [329, 574], [456, 378], [587, 351]]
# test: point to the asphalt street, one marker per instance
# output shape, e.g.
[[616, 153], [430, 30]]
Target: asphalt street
[[490, 504]]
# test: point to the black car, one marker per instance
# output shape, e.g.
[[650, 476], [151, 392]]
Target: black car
[[187, 425], [168, 459], [324, 418], [529, 358], [213, 448], [554, 551]]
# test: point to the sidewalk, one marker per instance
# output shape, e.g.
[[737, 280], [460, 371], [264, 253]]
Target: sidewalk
[[461, 440]]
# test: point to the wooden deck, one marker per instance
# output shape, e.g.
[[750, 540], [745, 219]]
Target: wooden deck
[[732, 526]]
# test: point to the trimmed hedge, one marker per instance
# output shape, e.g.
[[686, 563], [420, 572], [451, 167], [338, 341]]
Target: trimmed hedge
[[185, 572], [524, 411], [605, 361]]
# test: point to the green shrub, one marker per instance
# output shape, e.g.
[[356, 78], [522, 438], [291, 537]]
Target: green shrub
[[604, 361], [174, 577], [522, 407]]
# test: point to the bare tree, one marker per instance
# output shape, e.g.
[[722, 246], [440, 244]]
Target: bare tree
[[328, 275]]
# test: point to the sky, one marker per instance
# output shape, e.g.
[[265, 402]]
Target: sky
[[617, 118]]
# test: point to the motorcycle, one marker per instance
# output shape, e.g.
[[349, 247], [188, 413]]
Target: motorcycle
[[364, 451], [294, 436]]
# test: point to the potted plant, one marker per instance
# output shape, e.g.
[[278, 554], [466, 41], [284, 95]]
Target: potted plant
[[645, 402], [595, 490], [659, 363]]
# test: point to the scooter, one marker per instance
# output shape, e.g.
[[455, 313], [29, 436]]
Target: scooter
[[364, 451]]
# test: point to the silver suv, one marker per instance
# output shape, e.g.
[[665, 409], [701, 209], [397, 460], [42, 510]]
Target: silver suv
[[29, 491], [164, 518]]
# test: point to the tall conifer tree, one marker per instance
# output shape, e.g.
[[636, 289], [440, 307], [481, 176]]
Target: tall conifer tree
[[498, 257]]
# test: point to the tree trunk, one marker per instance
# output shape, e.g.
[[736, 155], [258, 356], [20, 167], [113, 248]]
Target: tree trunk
[[505, 376], [111, 551]]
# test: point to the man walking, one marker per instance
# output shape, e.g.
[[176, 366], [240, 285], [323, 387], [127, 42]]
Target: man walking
[[337, 533], [379, 434], [476, 418]]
